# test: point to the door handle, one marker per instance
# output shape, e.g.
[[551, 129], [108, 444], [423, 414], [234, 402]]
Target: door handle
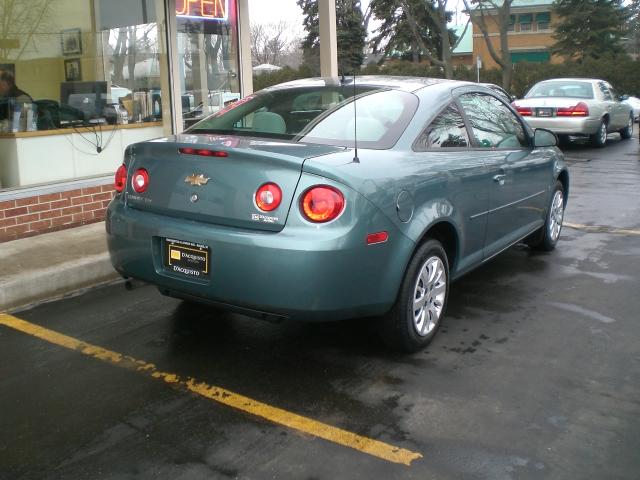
[[499, 178]]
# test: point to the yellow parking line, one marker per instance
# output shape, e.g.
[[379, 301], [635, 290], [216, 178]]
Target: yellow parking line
[[273, 414], [601, 229]]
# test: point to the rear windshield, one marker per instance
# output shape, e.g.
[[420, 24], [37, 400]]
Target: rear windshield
[[323, 115], [560, 88]]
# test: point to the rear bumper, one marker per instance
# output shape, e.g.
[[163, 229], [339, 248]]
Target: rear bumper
[[304, 272], [565, 125]]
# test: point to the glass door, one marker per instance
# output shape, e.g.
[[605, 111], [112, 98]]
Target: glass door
[[207, 41]]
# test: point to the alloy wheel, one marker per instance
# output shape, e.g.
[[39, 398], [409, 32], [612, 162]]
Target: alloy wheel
[[603, 133], [429, 296], [556, 214]]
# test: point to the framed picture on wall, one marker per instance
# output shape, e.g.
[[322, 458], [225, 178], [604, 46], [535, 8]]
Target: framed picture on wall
[[71, 41], [72, 70]]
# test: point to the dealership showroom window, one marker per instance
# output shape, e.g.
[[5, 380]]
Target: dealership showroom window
[[94, 77]]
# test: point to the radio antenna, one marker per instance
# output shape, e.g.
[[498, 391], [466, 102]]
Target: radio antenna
[[355, 122]]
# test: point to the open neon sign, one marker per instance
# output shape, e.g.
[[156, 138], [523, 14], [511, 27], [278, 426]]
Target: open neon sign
[[202, 9]]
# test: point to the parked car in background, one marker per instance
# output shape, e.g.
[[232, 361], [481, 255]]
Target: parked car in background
[[217, 100], [577, 107], [635, 105], [271, 207]]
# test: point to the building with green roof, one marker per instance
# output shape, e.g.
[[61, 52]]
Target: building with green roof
[[530, 34]]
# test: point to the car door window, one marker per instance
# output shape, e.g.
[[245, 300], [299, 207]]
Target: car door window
[[446, 131], [493, 124], [614, 94], [606, 94]]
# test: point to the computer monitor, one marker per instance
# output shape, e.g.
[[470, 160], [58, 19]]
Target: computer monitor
[[87, 97]]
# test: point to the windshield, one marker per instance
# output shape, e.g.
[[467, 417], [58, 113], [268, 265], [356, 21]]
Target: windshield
[[559, 88], [322, 115]]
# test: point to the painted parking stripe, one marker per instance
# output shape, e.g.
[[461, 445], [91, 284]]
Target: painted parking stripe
[[601, 229], [276, 415]]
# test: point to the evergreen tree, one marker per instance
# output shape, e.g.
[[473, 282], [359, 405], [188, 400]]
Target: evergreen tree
[[413, 29], [395, 37], [589, 28], [633, 26], [349, 29]]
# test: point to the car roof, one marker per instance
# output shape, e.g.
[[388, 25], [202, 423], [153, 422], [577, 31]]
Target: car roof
[[408, 84], [572, 79]]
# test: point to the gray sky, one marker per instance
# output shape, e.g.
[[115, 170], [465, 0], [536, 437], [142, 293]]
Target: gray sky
[[261, 11]]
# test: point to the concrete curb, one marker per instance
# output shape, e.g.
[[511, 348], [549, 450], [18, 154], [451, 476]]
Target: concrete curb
[[43, 284], [52, 265]]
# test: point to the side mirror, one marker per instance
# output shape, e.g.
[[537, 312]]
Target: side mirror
[[624, 97], [544, 138]]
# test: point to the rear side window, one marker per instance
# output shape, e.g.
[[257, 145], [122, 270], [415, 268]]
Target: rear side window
[[493, 124], [447, 130]]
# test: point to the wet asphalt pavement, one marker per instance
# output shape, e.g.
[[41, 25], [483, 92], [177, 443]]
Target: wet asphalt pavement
[[535, 373]]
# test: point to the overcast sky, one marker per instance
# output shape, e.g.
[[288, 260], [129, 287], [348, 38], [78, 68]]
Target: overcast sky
[[273, 11]]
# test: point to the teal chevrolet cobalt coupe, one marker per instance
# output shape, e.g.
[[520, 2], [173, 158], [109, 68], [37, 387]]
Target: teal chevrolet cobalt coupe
[[322, 199]]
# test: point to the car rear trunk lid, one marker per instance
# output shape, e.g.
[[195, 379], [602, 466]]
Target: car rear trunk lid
[[218, 189]]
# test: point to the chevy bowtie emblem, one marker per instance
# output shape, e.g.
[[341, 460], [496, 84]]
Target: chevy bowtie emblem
[[197, 180]]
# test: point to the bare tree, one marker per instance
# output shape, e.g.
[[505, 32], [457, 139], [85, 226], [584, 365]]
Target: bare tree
[[212, 46], [132, 53], [270, 42], [119, 57], [19, 22], [293, 57], [439, 16], [500, 14], [257, 35], [131, 44]]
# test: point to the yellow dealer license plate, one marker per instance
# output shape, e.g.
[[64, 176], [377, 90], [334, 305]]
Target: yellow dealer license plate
[[186, 258]]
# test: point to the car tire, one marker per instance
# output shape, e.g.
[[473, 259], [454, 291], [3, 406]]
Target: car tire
[[563, 140], [547, 237], [627, 132], [599, 139], [426, 287]]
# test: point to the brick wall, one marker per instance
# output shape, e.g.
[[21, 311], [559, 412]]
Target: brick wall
[[31, 216]]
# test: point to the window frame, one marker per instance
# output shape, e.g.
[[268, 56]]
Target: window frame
[[543, 26], [526, 27], [543, 21]]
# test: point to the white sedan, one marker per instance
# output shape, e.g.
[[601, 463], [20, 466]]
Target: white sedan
[[577, 107], [635, 104]]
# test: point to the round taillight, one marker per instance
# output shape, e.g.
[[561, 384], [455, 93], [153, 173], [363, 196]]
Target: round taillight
[[140, 180], [322, 204], [268, 197], [121, 178]]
